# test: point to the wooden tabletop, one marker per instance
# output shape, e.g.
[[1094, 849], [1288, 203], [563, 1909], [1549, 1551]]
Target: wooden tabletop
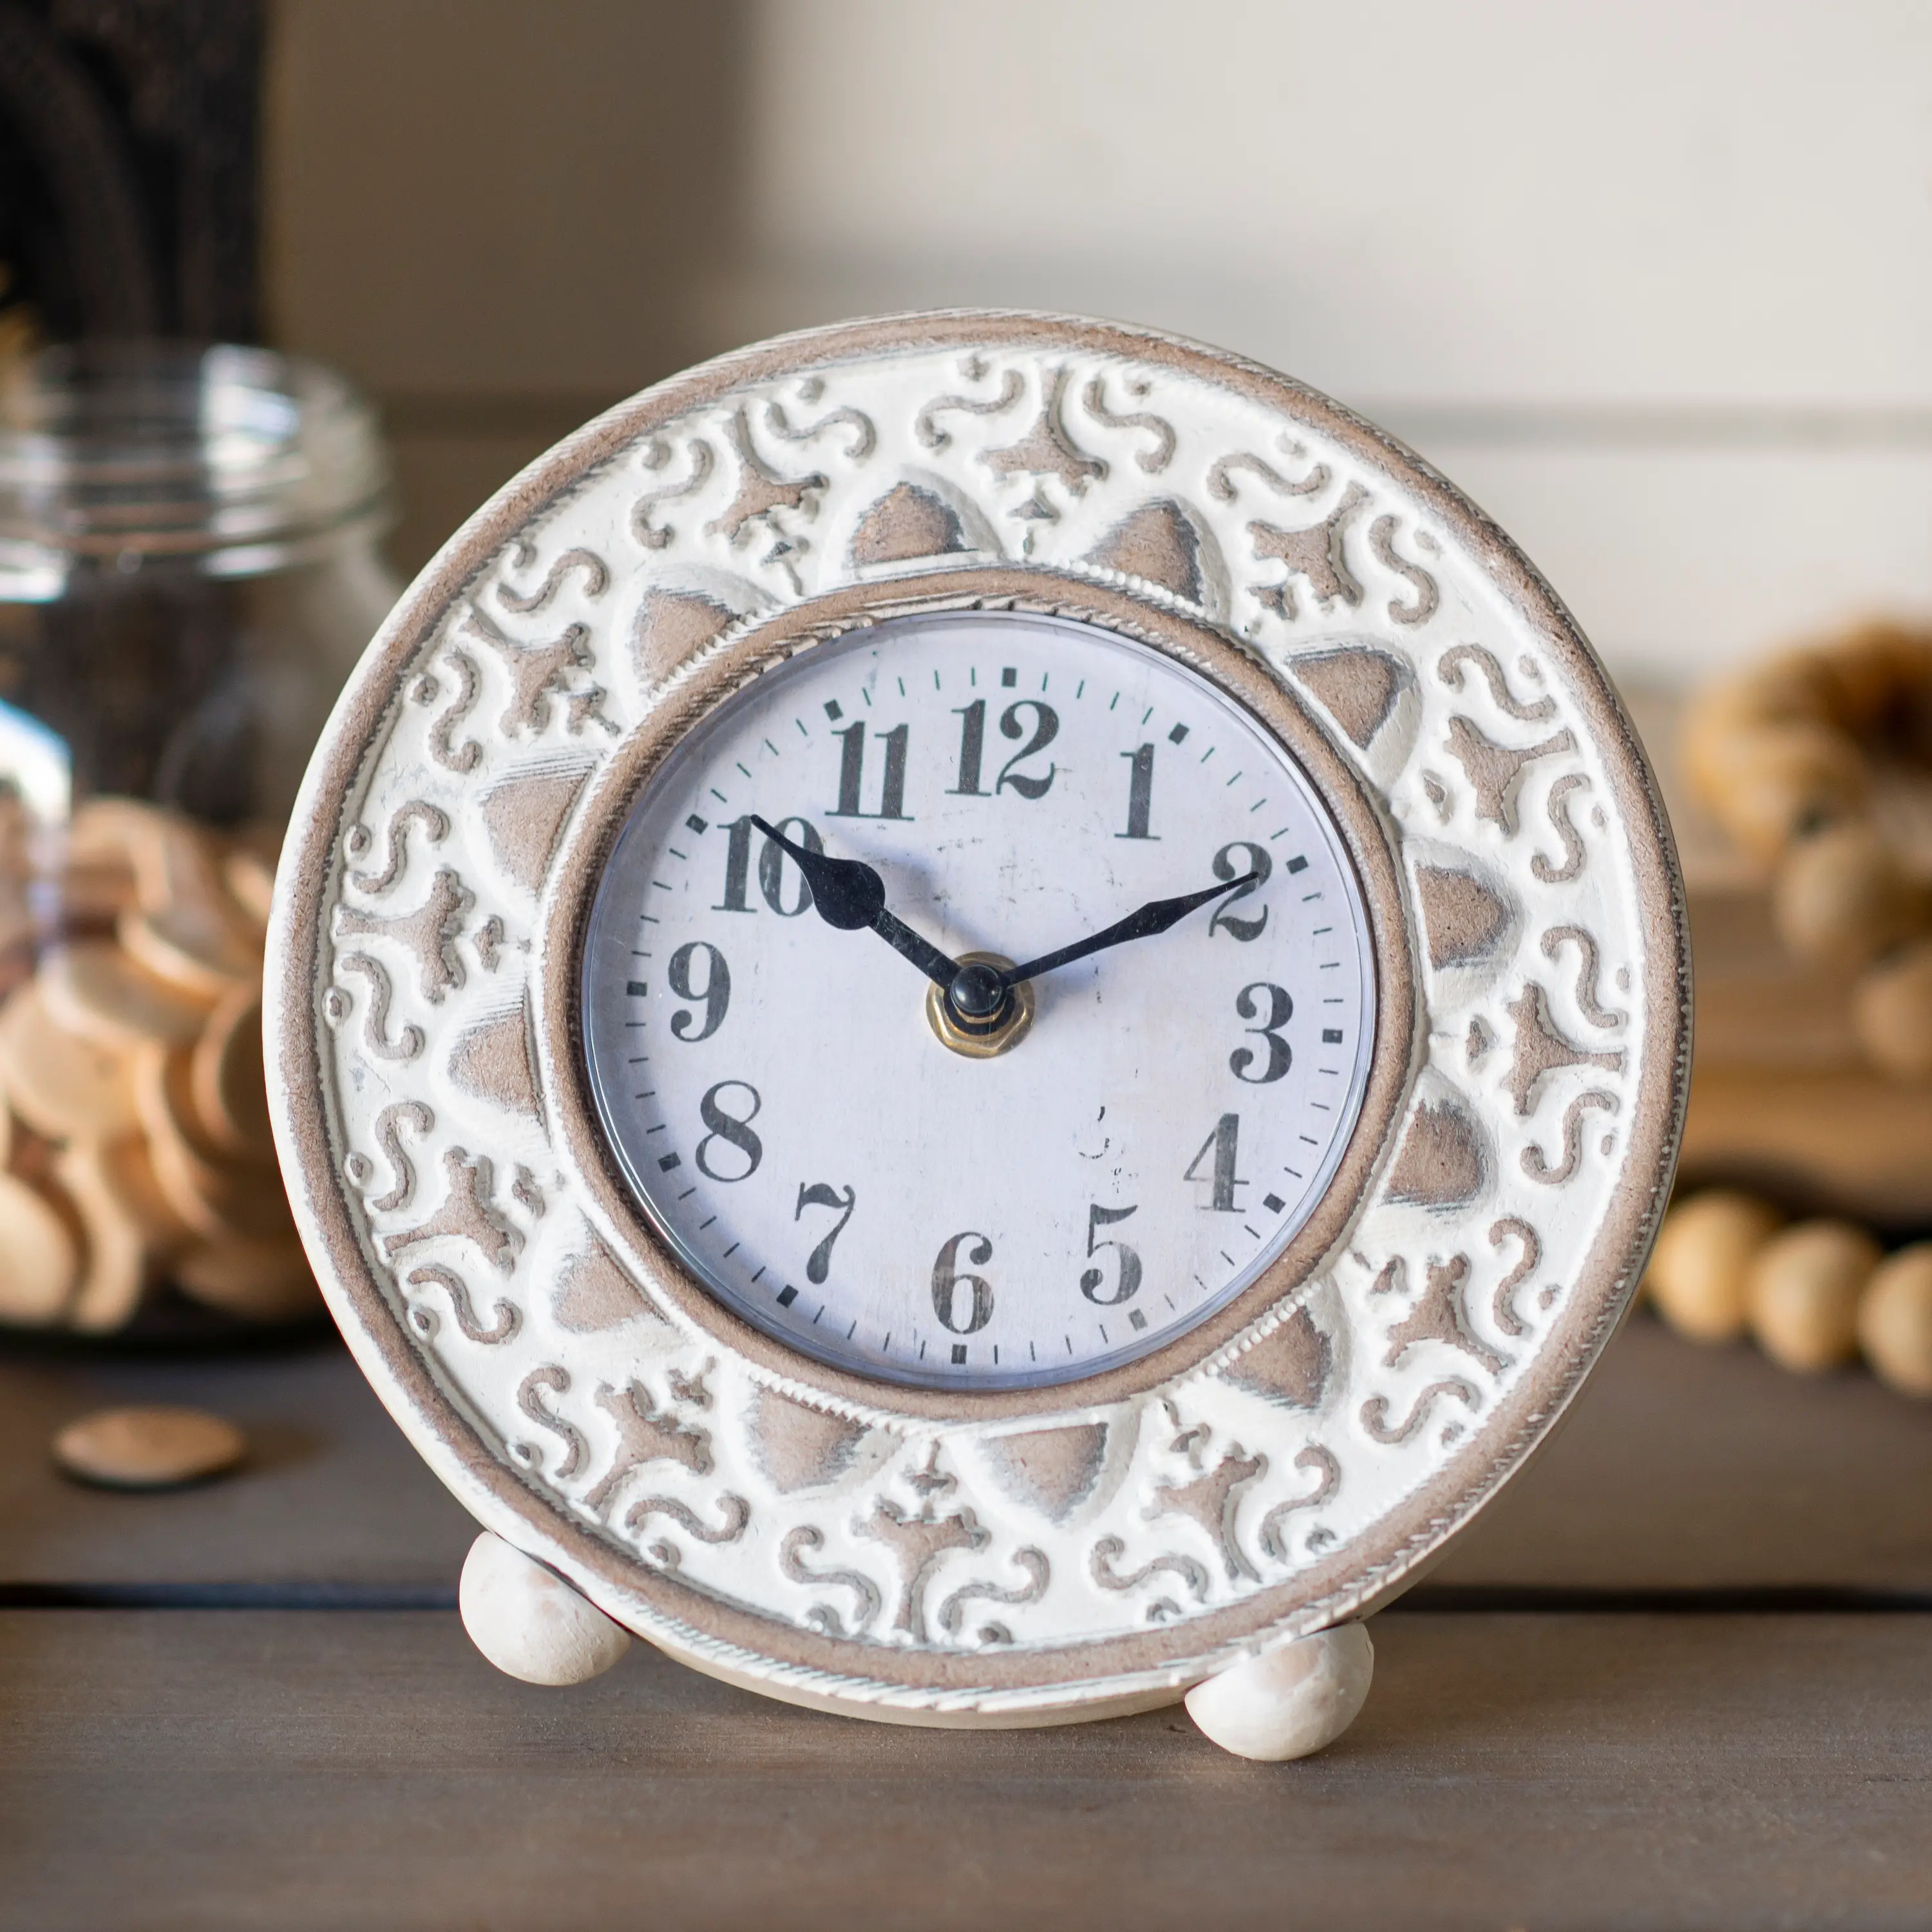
[[1680, 1673]]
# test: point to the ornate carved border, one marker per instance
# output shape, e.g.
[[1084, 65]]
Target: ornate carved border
[[1414, 685]]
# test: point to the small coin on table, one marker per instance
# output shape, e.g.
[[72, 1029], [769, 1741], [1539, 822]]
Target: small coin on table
[[148, 1448]]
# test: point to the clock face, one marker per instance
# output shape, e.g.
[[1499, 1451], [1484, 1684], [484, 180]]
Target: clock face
[[781, 1094]]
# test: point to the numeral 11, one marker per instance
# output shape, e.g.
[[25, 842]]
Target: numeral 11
[[852, 770]]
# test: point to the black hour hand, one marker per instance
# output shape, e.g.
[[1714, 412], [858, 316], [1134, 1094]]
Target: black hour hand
[[1156, 916], [851, 897]]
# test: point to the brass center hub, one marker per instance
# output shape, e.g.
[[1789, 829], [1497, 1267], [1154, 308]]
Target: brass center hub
[[981, 1038]]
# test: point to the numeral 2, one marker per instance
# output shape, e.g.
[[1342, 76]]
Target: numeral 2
[[1226, 866]]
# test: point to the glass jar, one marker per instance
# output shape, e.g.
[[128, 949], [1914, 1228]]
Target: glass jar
[[188, 572]]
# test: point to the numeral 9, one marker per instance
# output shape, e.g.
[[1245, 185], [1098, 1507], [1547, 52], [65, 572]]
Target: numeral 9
[[715, 992]]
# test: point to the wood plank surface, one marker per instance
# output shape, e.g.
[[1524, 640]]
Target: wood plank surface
[[1679, 1468], [332, 1494], [209, 1770]]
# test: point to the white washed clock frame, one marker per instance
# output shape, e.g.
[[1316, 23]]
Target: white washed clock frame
[[1004, 1563]]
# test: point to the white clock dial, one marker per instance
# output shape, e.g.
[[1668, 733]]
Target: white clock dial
[[779, 1097]]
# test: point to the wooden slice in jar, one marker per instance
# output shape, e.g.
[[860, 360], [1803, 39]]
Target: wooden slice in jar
[[204, 948], [228, 1083], [40, 1255], [94, 989], [218, 1198], [186, 925], [62, 1085], [257, 1280], [249, 873], [132, 1231], [120, 834]]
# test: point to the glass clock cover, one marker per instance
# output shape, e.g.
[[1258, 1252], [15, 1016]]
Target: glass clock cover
[[785, 1109]]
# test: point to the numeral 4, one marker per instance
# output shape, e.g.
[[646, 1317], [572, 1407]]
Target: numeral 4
[[1223, 1144]]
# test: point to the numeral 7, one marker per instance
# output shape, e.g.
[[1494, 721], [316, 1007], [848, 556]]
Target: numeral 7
[[822, 1194]]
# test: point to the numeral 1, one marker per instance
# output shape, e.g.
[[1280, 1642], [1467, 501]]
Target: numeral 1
[[1223, 1142], [852, 769], [1140, 794], [972, 747]]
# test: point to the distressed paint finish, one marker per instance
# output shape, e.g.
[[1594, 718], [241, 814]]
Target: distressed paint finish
[[1455, 722]]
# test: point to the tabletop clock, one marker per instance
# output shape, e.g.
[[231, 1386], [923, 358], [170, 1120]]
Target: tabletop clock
[[974, 1017]]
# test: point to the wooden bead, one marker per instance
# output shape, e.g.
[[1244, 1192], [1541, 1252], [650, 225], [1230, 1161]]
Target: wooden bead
[[1289, 1702], [529, 1622], [1877, 678], [148, 1448], [1841, 898], [1895, 1321], [1892, 1012], [1767, 784], [1696, 1273], [1801, 1292]]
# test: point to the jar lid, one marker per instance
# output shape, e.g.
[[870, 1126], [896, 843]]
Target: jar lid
[[234, 460]]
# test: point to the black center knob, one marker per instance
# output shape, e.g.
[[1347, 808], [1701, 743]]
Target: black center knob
[[975, 995]]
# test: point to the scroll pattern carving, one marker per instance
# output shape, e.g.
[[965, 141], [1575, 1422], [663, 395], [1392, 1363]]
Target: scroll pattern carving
[[435, 829], [701, 459], [867, 1603], [926, 430], [595, 573], [1327, 1471], [376, 1036], [1231, 1481], [452, 756], [505, 1319], [1155, 456]]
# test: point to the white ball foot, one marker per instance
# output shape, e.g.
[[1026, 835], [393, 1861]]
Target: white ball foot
[[531, 1624], [1289, 1702]]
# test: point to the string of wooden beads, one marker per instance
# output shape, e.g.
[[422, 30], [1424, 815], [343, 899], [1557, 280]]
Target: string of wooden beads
[[1792, 757], [1813, 1294]]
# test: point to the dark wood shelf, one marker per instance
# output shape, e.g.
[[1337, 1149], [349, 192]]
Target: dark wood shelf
[[1585, 1732]]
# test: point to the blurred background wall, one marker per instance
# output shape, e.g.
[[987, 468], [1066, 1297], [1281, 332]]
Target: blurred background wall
[[1652, 281]]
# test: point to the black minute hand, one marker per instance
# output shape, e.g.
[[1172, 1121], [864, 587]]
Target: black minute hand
[[1156, 916], [851, 896]]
